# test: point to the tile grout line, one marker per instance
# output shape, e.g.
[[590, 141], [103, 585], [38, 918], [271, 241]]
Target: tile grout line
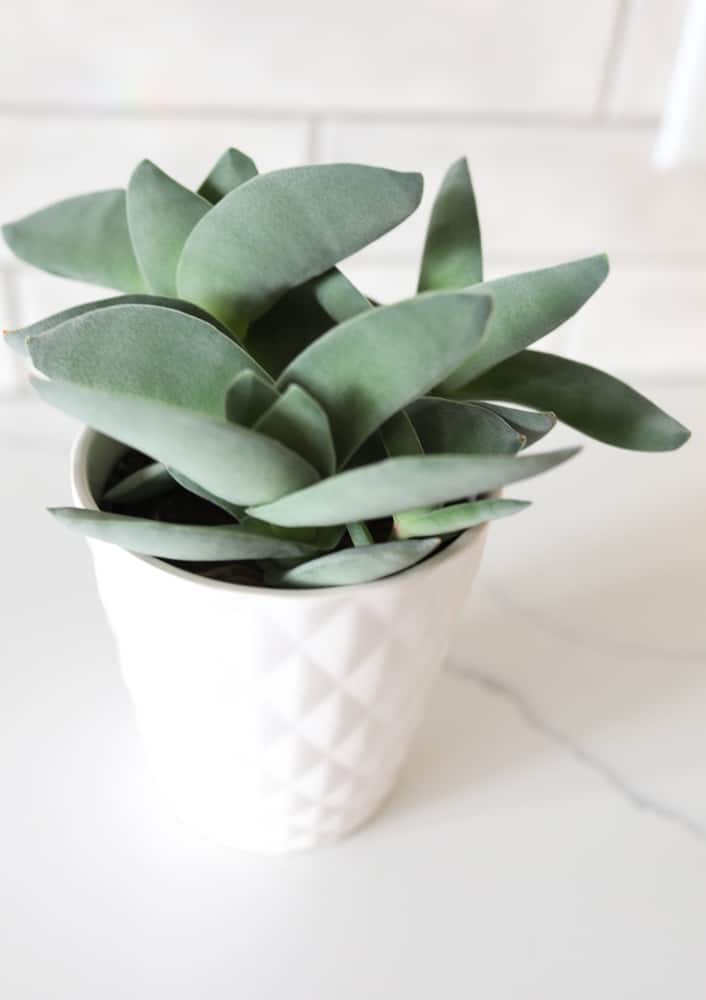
[[313, 141], [616, 47], [579, 753], [391, 115], [18, 388]]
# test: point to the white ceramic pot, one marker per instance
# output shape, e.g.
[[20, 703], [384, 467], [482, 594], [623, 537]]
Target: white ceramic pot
[[274, 720]]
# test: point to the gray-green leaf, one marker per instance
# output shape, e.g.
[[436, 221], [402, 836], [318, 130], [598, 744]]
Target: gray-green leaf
[[452, 255], [161, 213], [583, 397], [532, 425], [339, 296], [17, 339], [398, 484], [145, 351], [409, 346], [181, 541], [86, 238], [282, 228], [356, 565], [448, 426], [247, 397], [150, 481], [230, 461], [231, 170], [456, 517], [300, 423], [294, 322], [526, 307]]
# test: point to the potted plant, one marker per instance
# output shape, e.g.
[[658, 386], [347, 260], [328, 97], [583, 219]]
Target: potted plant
[[285, 485]]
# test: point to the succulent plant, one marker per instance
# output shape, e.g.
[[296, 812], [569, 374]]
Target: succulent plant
[[280, 424]]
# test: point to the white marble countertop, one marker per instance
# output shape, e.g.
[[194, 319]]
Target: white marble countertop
[[549, 835]]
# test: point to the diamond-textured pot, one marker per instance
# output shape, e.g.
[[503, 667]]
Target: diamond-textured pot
[[274, 720]]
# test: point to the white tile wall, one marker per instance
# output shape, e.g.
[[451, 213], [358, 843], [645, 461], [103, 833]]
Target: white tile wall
[[55, 156], [544, 191], [554, 103], [644, 62], [450, 54]]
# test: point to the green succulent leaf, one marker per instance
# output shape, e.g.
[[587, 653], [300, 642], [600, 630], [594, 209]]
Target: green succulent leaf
[[231, 170], [181, 541], [300, 423], [526, 307], [398, 484], [233, 462], [86, 238], [451, 427], [582, 397], [455, 518], [452, 255], [399, 436], [248, 396], [359, 533], [293, 323], [150, 481], [356, 565], [17, 339], [280, 229], [410, 345], [161, 213], [338, 296], [144, 351], [235, 510], [530, 424]]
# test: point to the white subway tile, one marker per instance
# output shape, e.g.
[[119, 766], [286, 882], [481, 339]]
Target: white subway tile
[[644, 62], [454, 54], [50, 157], [546, 193]]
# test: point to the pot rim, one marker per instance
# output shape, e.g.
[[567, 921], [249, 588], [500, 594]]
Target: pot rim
[[83, 495]]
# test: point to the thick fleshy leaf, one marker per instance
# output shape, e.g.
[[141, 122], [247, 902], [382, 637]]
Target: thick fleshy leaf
[[359, 533], [282, 228], [356, 565], [293, 323], [235, 510], [450, 427], [452, 255], [161, 213], [526, 307], [247, 397], [230, 461], [17, 339], [339, 296], [145, 351], [86, 238], [232, 169], [410, 346], [181, 541], [583, 397], [399, 436], [531, 424], [300, 423], [398, 484], [456, 517], [150, 481]]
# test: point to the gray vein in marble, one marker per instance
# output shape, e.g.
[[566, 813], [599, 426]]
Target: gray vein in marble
[[584, 757]]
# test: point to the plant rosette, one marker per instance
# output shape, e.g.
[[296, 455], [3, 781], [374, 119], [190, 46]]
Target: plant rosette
[[286, 485]]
